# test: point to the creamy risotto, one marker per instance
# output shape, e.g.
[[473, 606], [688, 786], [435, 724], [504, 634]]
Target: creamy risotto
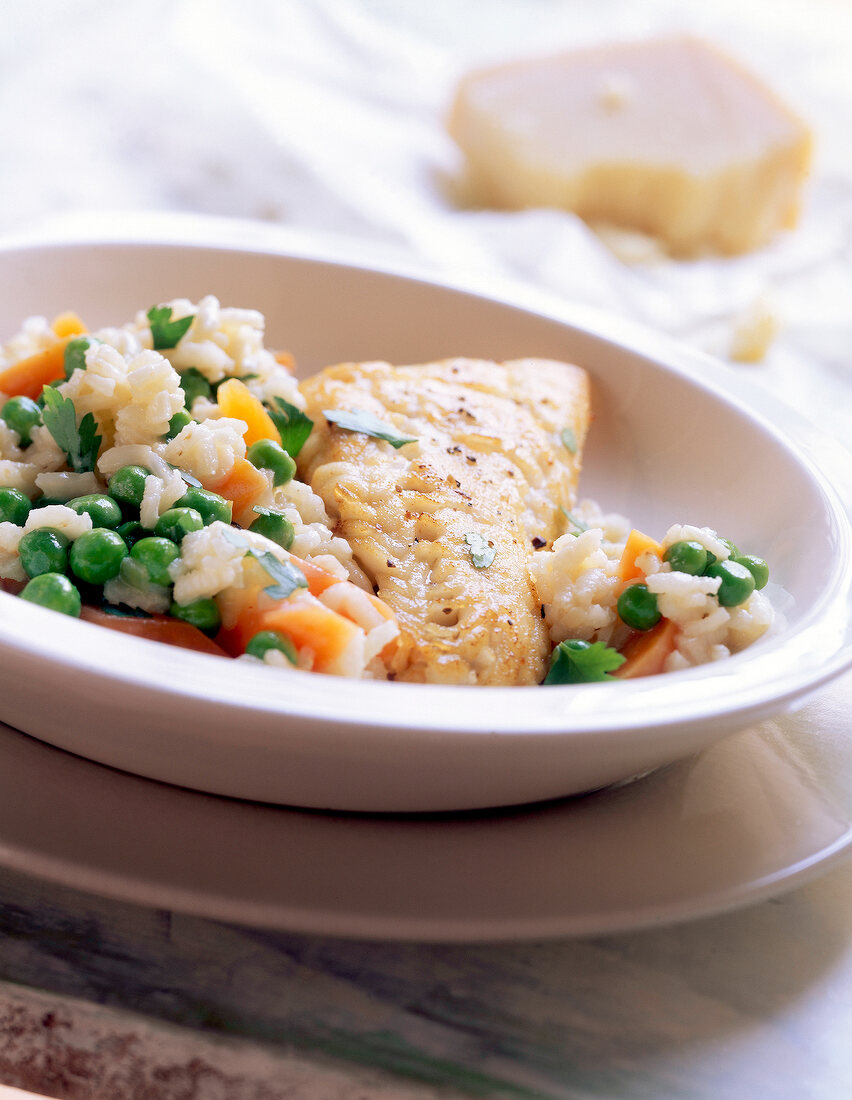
[[169, 477]]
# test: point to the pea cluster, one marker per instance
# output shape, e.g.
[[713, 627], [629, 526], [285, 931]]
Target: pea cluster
[[739, 574], [63, 573]]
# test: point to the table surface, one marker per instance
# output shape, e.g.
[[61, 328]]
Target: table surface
[[101, 998]]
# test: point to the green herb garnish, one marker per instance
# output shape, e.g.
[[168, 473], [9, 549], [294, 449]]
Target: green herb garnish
[[165, 332], [74, 357], [194, 384], [235, 538], [482, 553], [569, 439], [357, 420], [577, 662], [80, 444], [292, 424], [190, 479], [287, 576], [573, 520]]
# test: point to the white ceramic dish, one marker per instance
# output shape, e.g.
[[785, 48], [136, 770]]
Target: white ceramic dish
[[676, 438], [747, 818]]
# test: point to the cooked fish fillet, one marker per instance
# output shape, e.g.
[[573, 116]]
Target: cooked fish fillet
[[489, 463]]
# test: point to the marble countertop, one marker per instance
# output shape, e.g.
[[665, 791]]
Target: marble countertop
[[102, 999], [324, 116]]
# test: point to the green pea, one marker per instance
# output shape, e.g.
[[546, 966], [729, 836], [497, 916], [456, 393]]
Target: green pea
[[637, 606], [22, 414], [203, 614], [178, 522], [44, 550], [210, 506], [156, 554], [14, 506], [737, 582], [177, 423], [96, 555], [757, 567], [266, 454], [104, 511], [274, 525], [127, 485], [194, 384], [54, 591], [712, 559], [132, 531], [75, 353], [687, 556], [264, 640], [134, 574]]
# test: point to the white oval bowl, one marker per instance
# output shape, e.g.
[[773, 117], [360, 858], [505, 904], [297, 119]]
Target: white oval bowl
[[677, 437]]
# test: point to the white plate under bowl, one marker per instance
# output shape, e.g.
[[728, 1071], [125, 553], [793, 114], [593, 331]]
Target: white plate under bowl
[[749, 817], [676, 438]]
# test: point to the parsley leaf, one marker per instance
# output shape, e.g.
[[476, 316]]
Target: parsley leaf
[[577, 523], [194, 384], [287, 576], [578, 662], [357, 420], [80, 444], [261, 511], [482, 553], [165, 332], [235, 538], [190, 479], [569, 439], [292, 424]]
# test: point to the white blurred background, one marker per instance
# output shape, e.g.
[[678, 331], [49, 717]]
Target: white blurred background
[[328, 115]]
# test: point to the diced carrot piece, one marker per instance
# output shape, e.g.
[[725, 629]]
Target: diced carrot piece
[[302, 618], [68, 324], [28, 377], [318, 578], [636, 545], [234, 605], [236, 400], [285, 359], [157, 628], [309, 623], [243, 485], [646, 652]]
